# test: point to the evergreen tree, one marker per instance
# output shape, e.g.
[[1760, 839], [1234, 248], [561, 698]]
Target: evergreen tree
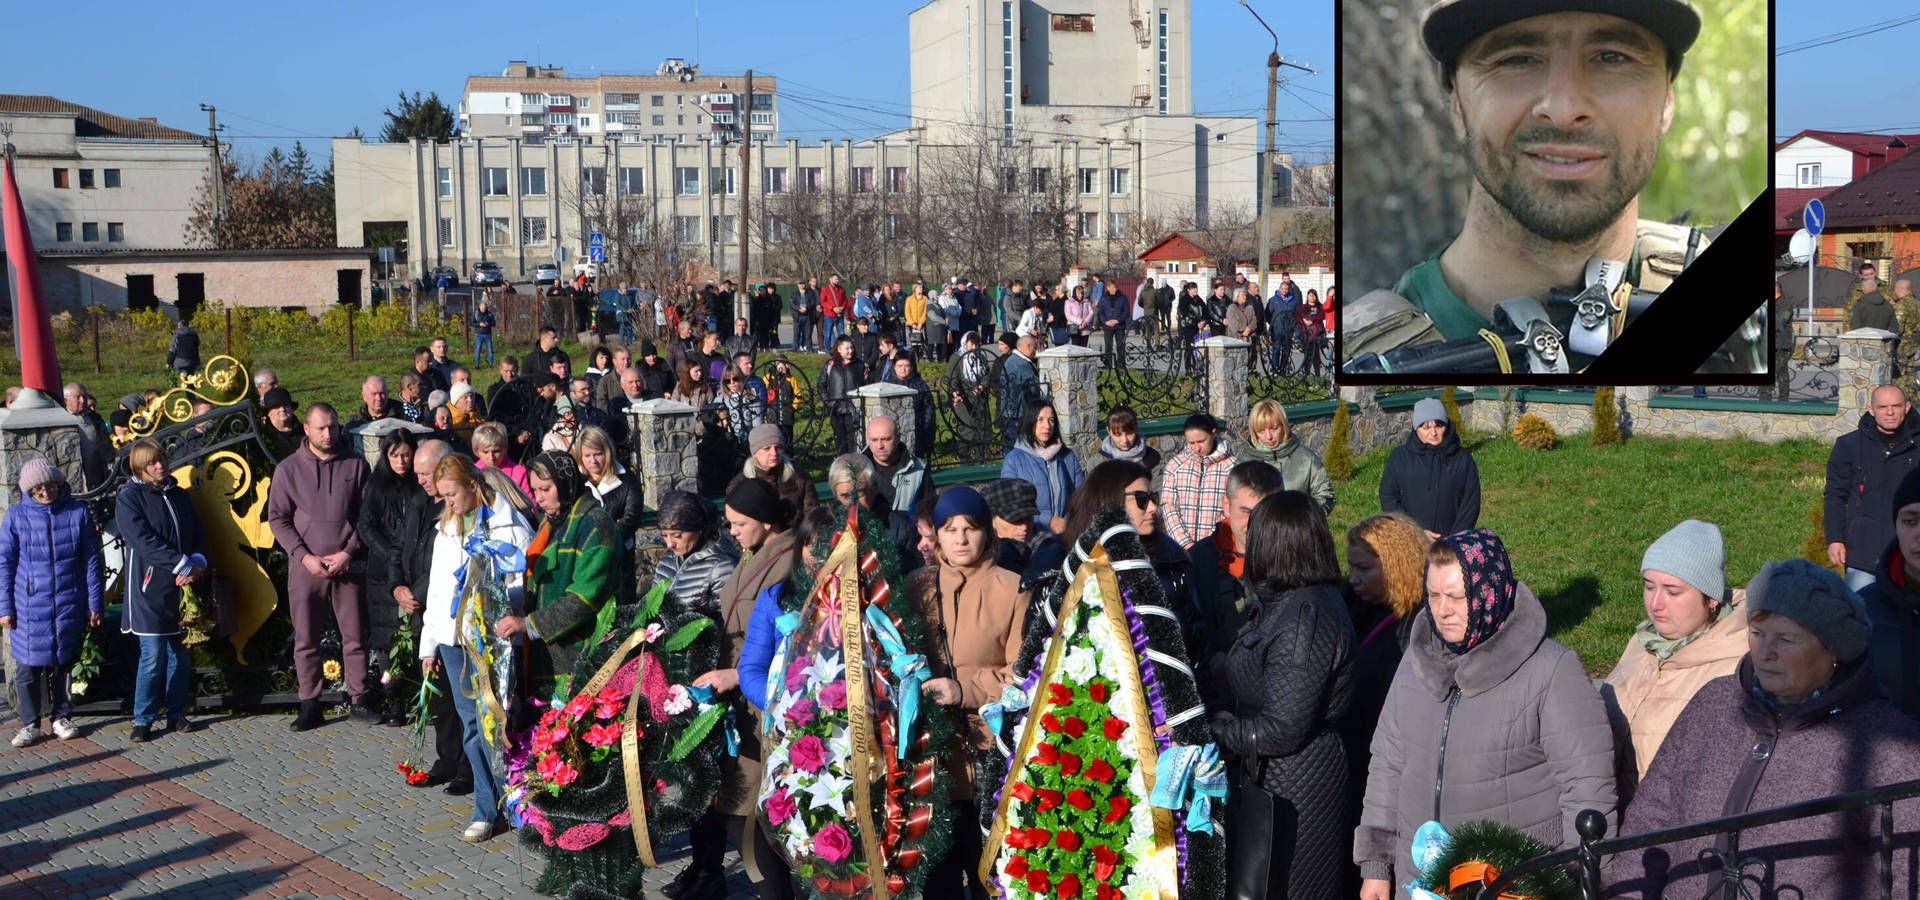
[[428, 118]]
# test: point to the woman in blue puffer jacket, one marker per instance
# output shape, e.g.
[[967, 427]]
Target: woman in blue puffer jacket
[[1044, 460], [50, 592]]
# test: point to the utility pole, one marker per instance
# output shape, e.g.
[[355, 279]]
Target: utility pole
[[1263, 206], [219, 179], [743, 116]]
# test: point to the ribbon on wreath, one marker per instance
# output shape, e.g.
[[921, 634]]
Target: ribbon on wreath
[[1012, 699], [490, 670], [703, 695], [1191, 777], [787, 624], [909, 669]]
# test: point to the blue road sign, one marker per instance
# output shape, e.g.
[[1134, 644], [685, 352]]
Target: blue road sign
[[596, 239], [597, 253], [1815, 216]]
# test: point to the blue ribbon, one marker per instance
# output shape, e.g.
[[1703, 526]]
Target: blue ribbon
[[1012, 699], [909, 669], [1193, 777], [703, 695], [508, 559], [787, 623]]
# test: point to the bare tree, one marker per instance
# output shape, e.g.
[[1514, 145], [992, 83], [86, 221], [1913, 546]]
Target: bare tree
[[1228, 231], [832, 230], [640, 245]]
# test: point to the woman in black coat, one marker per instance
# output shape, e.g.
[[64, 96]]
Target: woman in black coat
[[1431, 477], [618, 491], [1290, 672], [389, 491], [165, 550], [844, 373]]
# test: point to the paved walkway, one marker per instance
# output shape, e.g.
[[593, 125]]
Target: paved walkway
[[246, 808]]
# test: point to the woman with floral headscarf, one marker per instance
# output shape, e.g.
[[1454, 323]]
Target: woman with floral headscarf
[[573, 569], [1486, 719]]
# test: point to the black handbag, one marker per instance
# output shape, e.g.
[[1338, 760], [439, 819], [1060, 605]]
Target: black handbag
[[1249, 834]]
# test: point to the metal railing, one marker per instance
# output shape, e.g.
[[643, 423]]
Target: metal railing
[[1592, 826]]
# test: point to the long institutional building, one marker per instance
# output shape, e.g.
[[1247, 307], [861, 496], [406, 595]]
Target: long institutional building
[[1099, 92]]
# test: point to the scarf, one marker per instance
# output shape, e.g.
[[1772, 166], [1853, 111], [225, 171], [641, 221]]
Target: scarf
[[1663, 648], [1137, 455], [1046, 453], [1231, 562], [1490, 585], [566, 478]]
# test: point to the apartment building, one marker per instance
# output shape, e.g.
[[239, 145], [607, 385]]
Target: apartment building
[[539, 104]]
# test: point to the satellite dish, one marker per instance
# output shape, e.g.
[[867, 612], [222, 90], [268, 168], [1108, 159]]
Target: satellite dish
[[1800, 247]]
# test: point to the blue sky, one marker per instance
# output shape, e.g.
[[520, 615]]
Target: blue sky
[[1864, 84], [282, 71]]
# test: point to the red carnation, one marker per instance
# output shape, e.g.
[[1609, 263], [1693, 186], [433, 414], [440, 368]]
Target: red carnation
[[1118, 810], [1038, 837], [1114, 727], [1104, 859], [1046, 799], [1098, 691], [1099, 771], [1069, 887], [1073, 726], [1060, 693], [1066, 840], [1078, 799], [1046, 754], [1022, 791], [1017, 838], [1017, 866], [1069, 764], [1037, 881], [1048, 722]]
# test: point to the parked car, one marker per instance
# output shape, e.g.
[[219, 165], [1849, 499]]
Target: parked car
[[546, 273], [452, 274], [488, 273]]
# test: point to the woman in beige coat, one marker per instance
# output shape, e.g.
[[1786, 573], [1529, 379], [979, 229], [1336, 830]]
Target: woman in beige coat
[[1695, 631], [983, 613]]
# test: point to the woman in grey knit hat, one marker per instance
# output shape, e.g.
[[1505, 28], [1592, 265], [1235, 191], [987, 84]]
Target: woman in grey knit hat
[[1695, 631], [1802, 718]]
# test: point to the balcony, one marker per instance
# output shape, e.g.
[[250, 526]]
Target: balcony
[[623, 107], [559, 107], [533, 107]]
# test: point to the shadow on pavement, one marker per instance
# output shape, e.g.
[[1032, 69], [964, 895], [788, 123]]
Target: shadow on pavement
[[39, 806], [94, 879]]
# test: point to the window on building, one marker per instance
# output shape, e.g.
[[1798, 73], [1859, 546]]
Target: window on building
[[659, 120], [110, 178], [723, 181], [493, 181], [1089, 181], [533, 99], [633, 180], [90, 232], [533, 230], [1116, 224], [63, 232], [686, 180], [586, 121], [499, 231], [116, 232], [1068, 22], [1119, 182], [659, 100], [774, 179], [1866, 251], [86, 179], [894, 226], [593, 180], [586, 103], [630, 99], [680, 120], [896, 179], [1809, 174], [1089, 224], [533, 181], [59, 178], [762, 101], [446, 232], [763, 118], [444, 176], [1038, 180], [861, 180], [686, 229], [810, 180], [724, 229]]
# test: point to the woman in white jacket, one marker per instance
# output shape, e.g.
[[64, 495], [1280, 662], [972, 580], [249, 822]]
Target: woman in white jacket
[[473, 507]]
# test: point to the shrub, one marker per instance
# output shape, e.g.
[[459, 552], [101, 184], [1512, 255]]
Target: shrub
[[1533, 432], [1814, 547], [1453, 409], [1339, 455], [1606, 419]]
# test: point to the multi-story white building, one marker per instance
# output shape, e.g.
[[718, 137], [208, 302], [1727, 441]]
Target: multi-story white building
[[91, 180], [676, 103]]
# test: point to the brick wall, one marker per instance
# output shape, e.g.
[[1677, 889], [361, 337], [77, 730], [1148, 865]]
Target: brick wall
[[311, 282]]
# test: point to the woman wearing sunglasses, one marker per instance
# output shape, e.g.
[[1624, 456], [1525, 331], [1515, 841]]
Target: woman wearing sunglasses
[[1123, 483]]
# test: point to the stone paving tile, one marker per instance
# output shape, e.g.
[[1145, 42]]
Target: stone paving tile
[[243, 808]]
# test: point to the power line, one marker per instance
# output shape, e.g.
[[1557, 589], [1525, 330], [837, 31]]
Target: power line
[[1847, 35]]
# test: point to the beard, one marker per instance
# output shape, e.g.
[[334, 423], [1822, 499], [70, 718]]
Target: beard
[[1565, 212]]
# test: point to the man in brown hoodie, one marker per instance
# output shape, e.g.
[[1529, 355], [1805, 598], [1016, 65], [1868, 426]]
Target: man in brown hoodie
[[313, 507]]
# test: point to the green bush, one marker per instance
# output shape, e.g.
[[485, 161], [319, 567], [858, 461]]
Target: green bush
[[1339, 455], [1453, 409], [1606, 419], [1534, 433]]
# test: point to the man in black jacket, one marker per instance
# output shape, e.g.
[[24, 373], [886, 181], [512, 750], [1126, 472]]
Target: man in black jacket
[[1862, 472], [1192, 314], [541, 360], [806, 310], [374, 403], [408, 567], [1216, 310]]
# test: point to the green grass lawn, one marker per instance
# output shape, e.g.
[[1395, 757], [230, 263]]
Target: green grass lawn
[[1576, 519]]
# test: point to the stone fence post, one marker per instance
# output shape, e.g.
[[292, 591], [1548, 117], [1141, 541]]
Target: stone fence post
[[1227, 399], [1070, 376], [1866, 362], [895, 400], [663, 439]]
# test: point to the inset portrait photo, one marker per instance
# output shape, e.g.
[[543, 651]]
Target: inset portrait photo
[[1528, 186]]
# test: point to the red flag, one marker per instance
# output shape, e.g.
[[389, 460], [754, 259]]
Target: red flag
[[32, 325]]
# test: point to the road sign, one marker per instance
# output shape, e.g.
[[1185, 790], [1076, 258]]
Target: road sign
[[560, 254], [386, 254], [1815, 216], [597, 253], [596, 239]]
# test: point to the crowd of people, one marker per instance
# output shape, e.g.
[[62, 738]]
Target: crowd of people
[[1419, 684]]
